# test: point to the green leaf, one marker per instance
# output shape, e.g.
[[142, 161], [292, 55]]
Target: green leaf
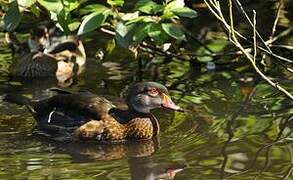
[[115, 2], [63, 20], [93, 8], [148, 6], [175, 4], [141, 32], [70, 5], [13, 17], [157, 33], [53, 16], [130, 16], [155, 30], [23, 4], [122, 29], [55, 6], [172, 5], [173, 31], [91, 22], [35, 10], [168, 14], [142, 19], [73, 25], [110, 46], [185, 12], [124, 34]]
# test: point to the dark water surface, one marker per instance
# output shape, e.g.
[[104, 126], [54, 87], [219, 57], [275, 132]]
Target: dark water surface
[[234, 126]]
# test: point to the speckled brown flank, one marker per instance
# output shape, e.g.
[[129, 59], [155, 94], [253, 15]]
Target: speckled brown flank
[[109, 129]]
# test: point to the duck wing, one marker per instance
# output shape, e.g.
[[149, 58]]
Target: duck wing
[[70, 110], [33, 65], [62, 43], [60, 91], [64, 110], [65, 91]]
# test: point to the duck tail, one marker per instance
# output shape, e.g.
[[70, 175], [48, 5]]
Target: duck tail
[[16, 99]]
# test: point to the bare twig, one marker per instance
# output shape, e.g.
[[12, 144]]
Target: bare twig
[[239, 5], [107, 31], [276, 19], [280, 35], [254, 36], [288, 174], [215, 8]]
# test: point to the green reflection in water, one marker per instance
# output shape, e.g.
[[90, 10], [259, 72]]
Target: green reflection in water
[[232, 128]]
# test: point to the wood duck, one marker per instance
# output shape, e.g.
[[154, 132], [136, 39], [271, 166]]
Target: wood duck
[[46, 55], [85, 115]]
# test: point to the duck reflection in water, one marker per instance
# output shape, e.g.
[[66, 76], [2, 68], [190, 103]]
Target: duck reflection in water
[[82, 152], [47, 54], [139, 154]]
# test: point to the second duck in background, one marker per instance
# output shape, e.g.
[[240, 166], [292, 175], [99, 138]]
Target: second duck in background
[[47, 54]]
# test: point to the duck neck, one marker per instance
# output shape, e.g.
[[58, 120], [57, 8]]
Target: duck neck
[[124, 116], [156, 124], [156, 127]]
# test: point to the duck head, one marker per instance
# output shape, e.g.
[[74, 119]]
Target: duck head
[[38, 36], [145, 96], [51, 41]]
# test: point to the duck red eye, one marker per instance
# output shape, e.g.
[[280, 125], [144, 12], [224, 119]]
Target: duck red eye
[[153, 92]]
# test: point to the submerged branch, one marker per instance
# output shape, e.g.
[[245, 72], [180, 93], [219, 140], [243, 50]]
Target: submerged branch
[[230, 130]]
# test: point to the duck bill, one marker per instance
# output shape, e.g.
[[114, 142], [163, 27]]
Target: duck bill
[[169, 104]]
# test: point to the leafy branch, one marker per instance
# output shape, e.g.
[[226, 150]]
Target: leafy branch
[[146, 21]]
